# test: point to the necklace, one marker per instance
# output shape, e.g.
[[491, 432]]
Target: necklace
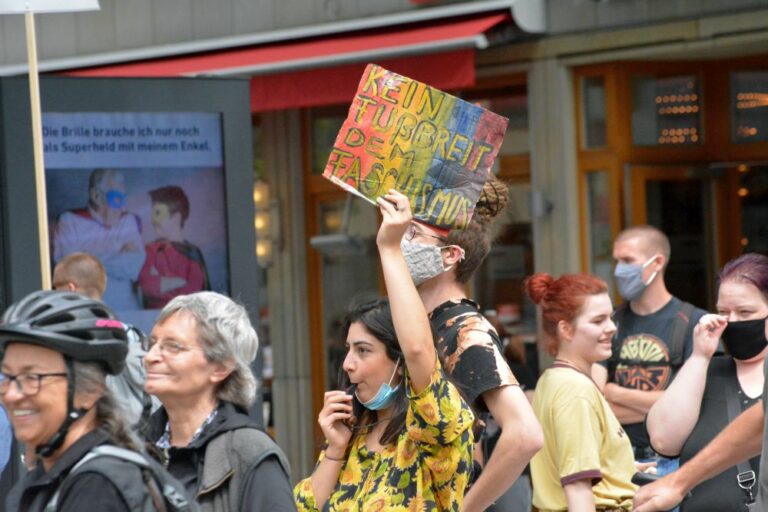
[[572, 366], [569, 364]]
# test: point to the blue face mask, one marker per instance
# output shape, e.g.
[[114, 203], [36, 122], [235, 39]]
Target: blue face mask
[[115, 199], [384, 396], [629, 279]]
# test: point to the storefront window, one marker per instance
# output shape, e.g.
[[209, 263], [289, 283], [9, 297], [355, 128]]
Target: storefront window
[[593, 106], [498, 284], [749, 106], [599, 225], [349, 269], [263, 367], [325, 124], [753, 195], [666, 111]]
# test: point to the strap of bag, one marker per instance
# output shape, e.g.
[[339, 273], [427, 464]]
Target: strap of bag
[[745, 477], [150, 477], [677, 340]]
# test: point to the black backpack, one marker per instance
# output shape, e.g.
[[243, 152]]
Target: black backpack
[[675, 345], [160, 492]]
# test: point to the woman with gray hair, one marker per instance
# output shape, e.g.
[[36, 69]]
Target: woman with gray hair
[[198, 364]]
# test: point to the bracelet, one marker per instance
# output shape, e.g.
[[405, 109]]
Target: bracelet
[[334, 459]]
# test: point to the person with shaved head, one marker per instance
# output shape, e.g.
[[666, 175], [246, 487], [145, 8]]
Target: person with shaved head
[[81, 272], [654, 335], [84, 273]]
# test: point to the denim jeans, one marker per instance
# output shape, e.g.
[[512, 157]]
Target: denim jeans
[[664, 466]]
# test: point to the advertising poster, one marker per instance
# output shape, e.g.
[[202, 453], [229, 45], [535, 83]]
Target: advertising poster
[[144, 193], [433, 147]]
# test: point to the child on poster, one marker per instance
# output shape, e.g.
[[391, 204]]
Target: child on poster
[[173, 266]]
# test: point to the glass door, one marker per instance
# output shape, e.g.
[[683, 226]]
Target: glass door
[[681, 201], [745, 215]]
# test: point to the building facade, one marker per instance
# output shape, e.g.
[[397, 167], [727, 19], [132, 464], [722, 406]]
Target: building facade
[[621, 112]]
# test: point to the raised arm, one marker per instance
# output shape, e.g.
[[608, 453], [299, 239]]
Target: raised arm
[[408, 314], [672, 419]]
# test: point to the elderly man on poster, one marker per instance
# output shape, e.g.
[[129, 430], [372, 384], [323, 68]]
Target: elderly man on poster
[[106, 230]]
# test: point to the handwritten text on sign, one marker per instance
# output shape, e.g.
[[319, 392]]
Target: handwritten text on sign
[[403, 134]]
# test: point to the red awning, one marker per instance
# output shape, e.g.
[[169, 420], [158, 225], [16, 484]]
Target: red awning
[[326, 70]]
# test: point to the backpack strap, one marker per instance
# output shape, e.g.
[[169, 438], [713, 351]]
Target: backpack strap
[[745, 475], [677, 340], [97, 461], [675, 344]]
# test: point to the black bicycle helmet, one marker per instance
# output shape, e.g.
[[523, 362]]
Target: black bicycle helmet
[[78, 327]]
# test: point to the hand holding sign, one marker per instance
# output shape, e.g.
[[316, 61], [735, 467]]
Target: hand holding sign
[[405, 135]]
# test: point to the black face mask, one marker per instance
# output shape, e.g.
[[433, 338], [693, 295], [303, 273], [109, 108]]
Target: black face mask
[[744, 340]]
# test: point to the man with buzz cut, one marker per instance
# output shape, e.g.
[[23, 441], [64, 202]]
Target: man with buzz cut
[[82, 273], [654, 335]]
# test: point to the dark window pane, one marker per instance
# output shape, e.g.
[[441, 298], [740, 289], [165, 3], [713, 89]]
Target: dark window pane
[[666, 111]]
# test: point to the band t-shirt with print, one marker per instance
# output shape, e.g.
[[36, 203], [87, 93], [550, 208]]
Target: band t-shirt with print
[[470, 350], [644, 340]]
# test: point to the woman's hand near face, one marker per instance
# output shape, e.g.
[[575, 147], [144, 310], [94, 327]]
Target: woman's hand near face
[[396, 217], [706, 334], [337, 408]]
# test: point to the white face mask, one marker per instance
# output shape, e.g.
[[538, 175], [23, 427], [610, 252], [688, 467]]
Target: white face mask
[[424, 261]]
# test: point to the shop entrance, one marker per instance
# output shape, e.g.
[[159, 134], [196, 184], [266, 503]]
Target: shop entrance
[[711, 213]]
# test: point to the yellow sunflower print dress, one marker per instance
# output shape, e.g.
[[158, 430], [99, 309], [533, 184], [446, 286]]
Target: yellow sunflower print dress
[[427, 469]]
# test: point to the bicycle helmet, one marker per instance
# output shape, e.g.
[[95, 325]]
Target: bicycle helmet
[[70, 323]]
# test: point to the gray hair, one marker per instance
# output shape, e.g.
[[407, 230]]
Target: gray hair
[[90, 377], [226, 336]]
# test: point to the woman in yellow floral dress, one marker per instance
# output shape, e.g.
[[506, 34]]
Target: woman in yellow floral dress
[[409, 447]]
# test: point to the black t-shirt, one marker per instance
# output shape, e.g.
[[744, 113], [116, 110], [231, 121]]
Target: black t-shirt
[[470, 350], [645, 339], [720, 492]]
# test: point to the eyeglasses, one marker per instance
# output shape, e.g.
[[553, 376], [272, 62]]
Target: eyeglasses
[[167, 347], [414, 231], [27, 383]]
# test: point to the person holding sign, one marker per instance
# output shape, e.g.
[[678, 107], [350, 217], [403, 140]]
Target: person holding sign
[[106, 230], [400, 436], [438, 150], [441, 264]]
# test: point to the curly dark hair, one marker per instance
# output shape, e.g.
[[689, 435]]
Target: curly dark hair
[[476, 238]]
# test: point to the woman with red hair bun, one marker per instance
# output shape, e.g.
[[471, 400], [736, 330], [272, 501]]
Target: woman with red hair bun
[[587, 461]]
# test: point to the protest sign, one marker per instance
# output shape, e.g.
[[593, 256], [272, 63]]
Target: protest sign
[[433, 147]]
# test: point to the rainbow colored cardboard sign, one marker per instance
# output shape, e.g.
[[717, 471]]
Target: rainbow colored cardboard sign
[[433, 147]]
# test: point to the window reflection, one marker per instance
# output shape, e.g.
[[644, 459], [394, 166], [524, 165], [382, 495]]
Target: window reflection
[[666, 111], [749, 106], [600, 240]]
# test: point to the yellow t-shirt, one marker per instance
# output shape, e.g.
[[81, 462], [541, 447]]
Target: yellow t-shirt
[[582, 439]]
